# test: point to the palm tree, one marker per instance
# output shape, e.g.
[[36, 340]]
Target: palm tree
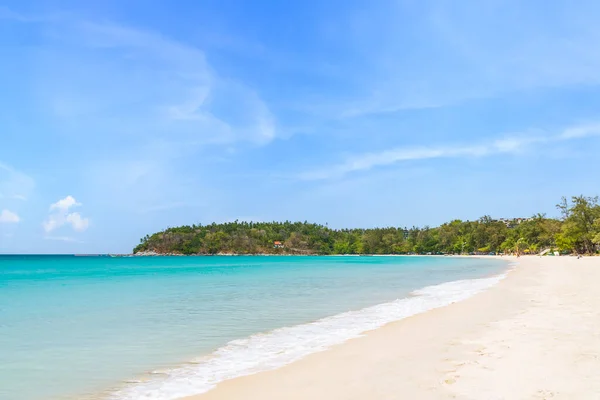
[[519, 245]]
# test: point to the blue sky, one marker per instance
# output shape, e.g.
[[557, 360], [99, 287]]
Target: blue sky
[[118, 119]]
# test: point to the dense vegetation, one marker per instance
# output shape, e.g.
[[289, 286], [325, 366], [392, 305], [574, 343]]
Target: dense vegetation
[[578, 230]]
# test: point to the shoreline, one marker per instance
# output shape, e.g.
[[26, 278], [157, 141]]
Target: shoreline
[[499, 343], [482, 256], [268, 350]]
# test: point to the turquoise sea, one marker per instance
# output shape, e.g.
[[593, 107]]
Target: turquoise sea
[[164, 327]]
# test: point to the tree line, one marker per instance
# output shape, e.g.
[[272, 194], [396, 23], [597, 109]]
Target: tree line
[[577, 230]]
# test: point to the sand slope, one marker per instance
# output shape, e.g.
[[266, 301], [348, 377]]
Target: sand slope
[[536, 335]]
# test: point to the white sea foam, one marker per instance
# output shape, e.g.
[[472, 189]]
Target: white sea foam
[[282, 346]]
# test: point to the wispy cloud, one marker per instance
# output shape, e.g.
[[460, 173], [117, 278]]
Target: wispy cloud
[[451, 53], [146, 85], [581, 131], [140, 104], [509, 145]]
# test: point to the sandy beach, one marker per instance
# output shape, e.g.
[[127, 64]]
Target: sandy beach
[[535, 335]]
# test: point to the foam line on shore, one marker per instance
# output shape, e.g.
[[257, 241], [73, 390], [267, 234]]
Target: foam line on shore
[[274, 349]]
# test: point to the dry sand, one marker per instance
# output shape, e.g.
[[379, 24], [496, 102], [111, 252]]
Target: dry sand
[[535, 335]]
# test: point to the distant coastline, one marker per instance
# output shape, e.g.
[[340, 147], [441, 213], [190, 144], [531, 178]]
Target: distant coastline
[[576, 231], [154, 254]]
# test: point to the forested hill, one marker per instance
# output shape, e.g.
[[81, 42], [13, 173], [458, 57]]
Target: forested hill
[[578, 230]]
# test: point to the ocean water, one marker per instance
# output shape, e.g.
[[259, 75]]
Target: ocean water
[[164, 327]]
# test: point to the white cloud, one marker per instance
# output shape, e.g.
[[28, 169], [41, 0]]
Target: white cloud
[[513, 144], [52, 223], [9, 217], [60, 215], [64, 204], [77, 222]]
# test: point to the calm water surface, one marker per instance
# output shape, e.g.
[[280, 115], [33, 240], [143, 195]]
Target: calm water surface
[[72, 327]]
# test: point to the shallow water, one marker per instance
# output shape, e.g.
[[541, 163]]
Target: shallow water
[[162, 327]]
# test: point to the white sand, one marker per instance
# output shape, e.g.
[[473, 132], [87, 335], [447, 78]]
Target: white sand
[[536, 335]]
